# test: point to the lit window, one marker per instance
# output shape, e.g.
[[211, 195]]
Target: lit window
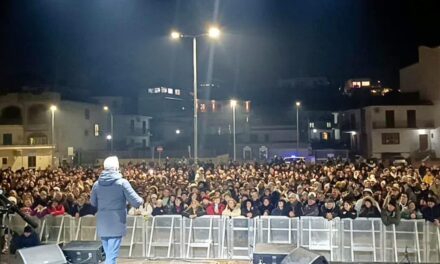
[[177, 92], [324, 136], [163, 90], [170, 91], [96, 130], [203, 107], [248, 106], [213, 105], [311, 125], [365, 83], [390, 138], [150, 90], [329, 124], [156, 90], [356, 84]]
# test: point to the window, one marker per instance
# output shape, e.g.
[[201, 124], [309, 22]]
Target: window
[[177, 92], [4, 161], [365, 83], [144, 127], [356, 84], [329, 124], [87, 114], [411, 118], [150, 90], [86, 133], [312, 125], [324, 136], [132, 126], [96, 130], [202, 107], [170, 91], [389, 118], [32, 161], [37, 139], [7, 139], [390, 138], [163, 90], [156, 90]]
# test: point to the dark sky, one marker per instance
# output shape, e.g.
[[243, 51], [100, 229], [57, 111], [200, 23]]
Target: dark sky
[[110, 47]]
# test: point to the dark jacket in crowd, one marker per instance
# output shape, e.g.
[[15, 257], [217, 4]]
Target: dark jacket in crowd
[[255, 212], [158, 211], [280, 212], [311, 210], [334, 211], [390, 218], [191, 211], [348, 214], [369, 212], [22, 241], [296, 207], [177, 210], [86, 209], [430, 214]]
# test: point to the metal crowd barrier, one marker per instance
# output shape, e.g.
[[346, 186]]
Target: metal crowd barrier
[[215, 237]]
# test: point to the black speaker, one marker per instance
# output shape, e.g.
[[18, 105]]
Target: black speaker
[[271, 253], [84, 252], [303, 256], [47, 254]]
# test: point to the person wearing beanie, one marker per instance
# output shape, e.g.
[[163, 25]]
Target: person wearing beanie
[[28, 239], [110, 195], [431, 212]]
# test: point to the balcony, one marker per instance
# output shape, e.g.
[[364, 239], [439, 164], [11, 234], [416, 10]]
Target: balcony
[[404, 124]]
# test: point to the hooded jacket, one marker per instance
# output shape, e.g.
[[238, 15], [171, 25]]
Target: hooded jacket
[[110, 195]]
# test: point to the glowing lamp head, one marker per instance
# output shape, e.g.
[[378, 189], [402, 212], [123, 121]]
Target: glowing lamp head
[[177, 131], [298, 103], [175, 35], [109, 137], [214, 32], [233, 103], [106, 108], [53, 108]]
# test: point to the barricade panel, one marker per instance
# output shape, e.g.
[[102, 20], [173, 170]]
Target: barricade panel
[[242, 240]]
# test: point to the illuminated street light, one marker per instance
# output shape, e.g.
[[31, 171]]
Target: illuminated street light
[[298, 105], [177, 131], [175, 35], [109, 137], [107, 109], [315, 130], [53, 108], [214, 32]]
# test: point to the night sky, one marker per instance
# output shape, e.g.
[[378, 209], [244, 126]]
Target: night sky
[[111, 47]]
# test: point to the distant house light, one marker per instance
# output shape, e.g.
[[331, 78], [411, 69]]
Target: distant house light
[[150, 90], [170, 91], [365, 83], [311, 125], [177, 91], [163, 90], [157, 90]]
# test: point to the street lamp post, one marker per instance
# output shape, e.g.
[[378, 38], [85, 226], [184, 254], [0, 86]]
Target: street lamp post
[[53, 108], [233, 105], [298, 105], [107, 109], [214, 33]]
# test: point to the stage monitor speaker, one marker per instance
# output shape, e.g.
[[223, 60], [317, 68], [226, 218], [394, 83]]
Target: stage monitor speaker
[[271, 253], [303, 256], [84, 252], [47, 254]]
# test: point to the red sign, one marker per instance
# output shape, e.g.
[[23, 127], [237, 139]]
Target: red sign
[[159, 149]]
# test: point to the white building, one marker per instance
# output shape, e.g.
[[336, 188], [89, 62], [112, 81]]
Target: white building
[[387, 131], [26, 129], [423, 76], [132, 131]]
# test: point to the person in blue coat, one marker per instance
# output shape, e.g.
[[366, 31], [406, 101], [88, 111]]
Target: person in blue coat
[[110, 195]]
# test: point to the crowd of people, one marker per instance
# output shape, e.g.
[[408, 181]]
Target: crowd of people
[[331, 190]]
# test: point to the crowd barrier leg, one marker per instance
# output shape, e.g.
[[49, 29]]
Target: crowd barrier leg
[[416, 238], [133, 232], [396, 258]]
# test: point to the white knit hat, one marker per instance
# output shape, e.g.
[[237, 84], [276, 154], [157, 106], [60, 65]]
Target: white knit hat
[[111, 163]]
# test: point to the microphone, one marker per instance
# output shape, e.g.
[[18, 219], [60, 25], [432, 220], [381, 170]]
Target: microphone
[[14, 209]]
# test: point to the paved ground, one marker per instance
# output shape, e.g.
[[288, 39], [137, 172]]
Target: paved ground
[[141, 261]]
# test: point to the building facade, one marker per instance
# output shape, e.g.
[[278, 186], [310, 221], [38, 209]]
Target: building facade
[[27, 121]]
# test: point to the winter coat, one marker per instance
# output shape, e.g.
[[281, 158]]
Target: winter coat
[[296, 207], [348, 214], [369, 212], [110, 195], [253, 211], [233, 213], [311, 210], [86, 209], [334, 211], [58, 210], [210, 210], [199, 211], [158, 211], [390, 218], [280, 212], [430, 214]]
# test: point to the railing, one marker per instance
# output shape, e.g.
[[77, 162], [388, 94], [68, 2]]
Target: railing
[[214, 237]]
